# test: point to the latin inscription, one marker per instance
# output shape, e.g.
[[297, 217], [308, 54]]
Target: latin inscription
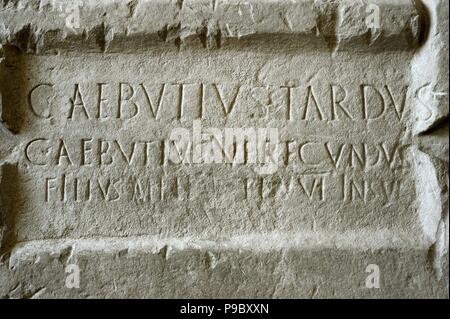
[[322, 169], [127, 101]]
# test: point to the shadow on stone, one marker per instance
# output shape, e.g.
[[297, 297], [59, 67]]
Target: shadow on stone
[[10, 205], [13, 86]]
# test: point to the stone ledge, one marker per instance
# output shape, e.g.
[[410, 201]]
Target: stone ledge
[[307, 240]]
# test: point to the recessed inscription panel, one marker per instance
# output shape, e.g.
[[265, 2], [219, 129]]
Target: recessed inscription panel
[[101, 154]]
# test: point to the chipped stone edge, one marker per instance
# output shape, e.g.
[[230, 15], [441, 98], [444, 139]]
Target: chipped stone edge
[[429, 70], [32, 25]]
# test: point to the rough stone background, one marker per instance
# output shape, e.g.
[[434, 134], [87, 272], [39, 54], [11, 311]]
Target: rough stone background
[[219, 244]]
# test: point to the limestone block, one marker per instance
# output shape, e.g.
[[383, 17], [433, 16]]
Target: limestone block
[[224, 148]]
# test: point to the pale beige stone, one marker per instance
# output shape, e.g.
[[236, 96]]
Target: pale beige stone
[[91, 96]]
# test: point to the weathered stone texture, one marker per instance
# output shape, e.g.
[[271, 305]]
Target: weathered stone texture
[[93, 92]]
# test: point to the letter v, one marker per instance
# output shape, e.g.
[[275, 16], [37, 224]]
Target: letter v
[[154, 110]]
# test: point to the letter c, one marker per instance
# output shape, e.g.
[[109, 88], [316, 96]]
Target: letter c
[[27, 149], [301, 154]]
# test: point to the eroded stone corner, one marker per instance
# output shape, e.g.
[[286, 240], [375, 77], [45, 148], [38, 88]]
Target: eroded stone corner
[[430, 76]]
